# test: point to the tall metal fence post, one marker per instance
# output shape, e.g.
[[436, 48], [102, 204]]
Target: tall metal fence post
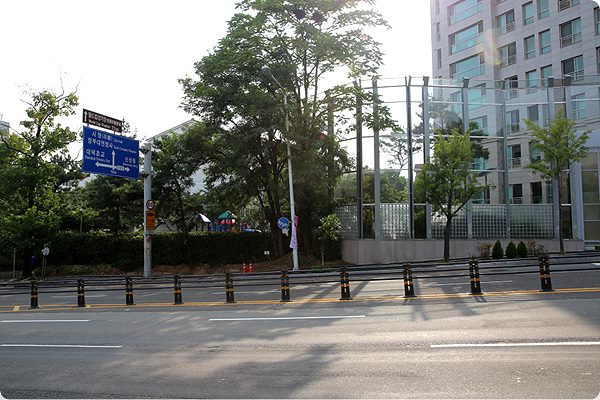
[[285, 286], [474, 277], [129, 291], [177, 290], [34, 295], [229, 294], [80, 293], [409, 289]]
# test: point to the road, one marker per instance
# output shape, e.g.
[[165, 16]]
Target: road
[[521, 346]]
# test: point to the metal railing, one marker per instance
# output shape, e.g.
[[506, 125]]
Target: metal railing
[[471, 271]]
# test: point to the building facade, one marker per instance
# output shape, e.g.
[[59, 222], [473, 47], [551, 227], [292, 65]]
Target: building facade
[[499, 62]]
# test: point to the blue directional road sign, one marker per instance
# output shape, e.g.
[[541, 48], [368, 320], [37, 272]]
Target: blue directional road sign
[[283, 223], [109, 154]]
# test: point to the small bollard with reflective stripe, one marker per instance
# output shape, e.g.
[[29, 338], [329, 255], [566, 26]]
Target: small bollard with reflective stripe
[[409, 288], [545, 279], [285, 286], [129, 292], [345, 284], [474, 277], [177, 289], [229, 294], [34, 295], [80, 293]]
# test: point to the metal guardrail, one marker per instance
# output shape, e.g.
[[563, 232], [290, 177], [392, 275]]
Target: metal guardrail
[[406, 272]]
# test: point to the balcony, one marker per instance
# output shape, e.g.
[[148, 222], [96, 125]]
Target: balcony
[[469, 73], [509, 27], [570, 39], [466, 43], [514, 162], [516, 200], [512, 128], [564, 4], [453, 19], [505, 62]]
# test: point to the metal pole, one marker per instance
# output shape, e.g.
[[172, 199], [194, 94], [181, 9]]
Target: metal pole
[[359, 160], [14, 262], [80, 220], [377, 167], [505, 160], [409, 145], [147, 150], [290, 176], [426, 149], [465, 116]]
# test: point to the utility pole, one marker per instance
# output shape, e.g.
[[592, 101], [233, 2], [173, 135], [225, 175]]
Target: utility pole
[[147, 176]]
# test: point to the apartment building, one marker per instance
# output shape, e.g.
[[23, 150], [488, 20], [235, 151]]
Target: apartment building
[[513, 60]]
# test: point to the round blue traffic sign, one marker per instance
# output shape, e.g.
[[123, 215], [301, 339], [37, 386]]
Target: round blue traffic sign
[[283, 223]]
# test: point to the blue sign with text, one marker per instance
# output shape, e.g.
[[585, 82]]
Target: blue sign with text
[[105, 153]]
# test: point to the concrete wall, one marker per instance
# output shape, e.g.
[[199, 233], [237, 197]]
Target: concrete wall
[[369, 251]]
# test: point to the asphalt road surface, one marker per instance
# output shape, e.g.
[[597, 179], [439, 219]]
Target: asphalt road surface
[[515, 346]]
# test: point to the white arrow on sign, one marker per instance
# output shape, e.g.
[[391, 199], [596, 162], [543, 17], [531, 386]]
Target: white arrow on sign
[[113, 166]]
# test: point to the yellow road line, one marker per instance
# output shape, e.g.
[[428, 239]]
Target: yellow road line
[[63, 307]]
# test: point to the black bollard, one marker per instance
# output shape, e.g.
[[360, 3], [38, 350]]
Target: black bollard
[[345, 284], [80, 293], [474, 277], [409, 288], [285, 286], [545, 279], [34, 295], [229, 295], [177, 289], [129, 292]]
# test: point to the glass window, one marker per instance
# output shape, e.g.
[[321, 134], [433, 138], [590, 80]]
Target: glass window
[[578, 106], [506, 22], [463, 10], [512, 123], [532, 80], [549, 192], [545, 73], [598, 59], [597, 20], [533, 114], [564, 4], [529, 47], [528, 13], [468, 68], [467, 38], [515, 193], [482, 125], [437, 31], [590, 161], [512, 84], [589, 183], [536, 192], [507, 55], [545, 46], [534, 153], [591, 230], [439, 58], [570, 32], [573, 67], [543, 7]]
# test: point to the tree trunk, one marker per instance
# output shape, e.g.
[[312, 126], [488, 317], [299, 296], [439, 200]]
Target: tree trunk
[[560, 233], [447, 230]]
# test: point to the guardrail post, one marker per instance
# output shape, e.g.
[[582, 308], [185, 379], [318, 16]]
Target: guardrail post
[[34, 295], [409, 288], [285, 286], [129, 291], [229, 294], [474, 277], [80, 293], [345, 284], [177, 289], [545, 279]]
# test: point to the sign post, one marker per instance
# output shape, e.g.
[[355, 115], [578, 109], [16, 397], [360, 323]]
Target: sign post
[[150, 218], [45, 253]]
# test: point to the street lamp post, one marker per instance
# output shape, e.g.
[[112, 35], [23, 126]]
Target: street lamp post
[[267, 71]]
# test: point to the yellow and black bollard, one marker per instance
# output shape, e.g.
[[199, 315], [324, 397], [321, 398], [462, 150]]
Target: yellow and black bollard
[[177, 290], [474, 277], [409, 287], [129, 292], [345, 284], [80, 293], [545, 279], [34, 295], [285, 286], [229, 294]]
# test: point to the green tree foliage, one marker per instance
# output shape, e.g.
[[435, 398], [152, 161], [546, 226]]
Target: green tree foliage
[[302, 42], [522, 250], [497, 251], [35, 166], [328, 232], [447, 182], [511, 250], [560, 146]]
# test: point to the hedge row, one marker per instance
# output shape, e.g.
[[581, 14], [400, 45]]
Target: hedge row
[[126, 251]]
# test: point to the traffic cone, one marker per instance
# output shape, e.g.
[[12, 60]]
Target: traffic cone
[[244, 270], [250, 269]]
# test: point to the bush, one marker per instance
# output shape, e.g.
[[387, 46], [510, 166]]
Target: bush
[[484, 249], [521, 250], [511, 250], [497, 251]]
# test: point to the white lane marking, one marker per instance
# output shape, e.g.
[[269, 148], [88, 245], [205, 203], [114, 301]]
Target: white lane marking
[[74, 346], [286, 318], [75, 295], [250, 292], [598, 264], [8, 321], [457, 345], [460, 283], [16, 308]]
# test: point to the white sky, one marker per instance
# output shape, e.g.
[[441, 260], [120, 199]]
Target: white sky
[[126, 56]]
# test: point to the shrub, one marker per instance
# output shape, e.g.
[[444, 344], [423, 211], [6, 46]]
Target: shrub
[[521, 250], [497, 251], [485, 249], [511, 250]]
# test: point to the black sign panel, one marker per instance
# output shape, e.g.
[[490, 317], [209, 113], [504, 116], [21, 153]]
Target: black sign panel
[[93, 118]]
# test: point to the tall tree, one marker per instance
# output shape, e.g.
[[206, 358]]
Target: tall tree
[[301, 41], [560, 146], [35, 166], [447, 181]]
